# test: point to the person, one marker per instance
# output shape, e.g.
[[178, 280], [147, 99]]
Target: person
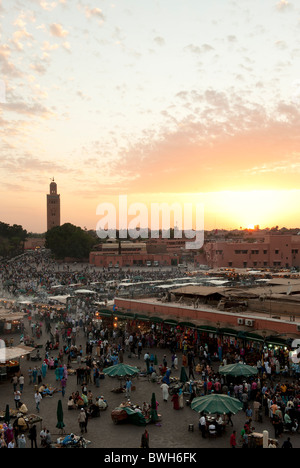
[[17, 398], [145, 440], [23, 408], [256, 410], [219, 424], [11, 445], [14, 381], [233, 440], [68, 440], [165, 391], [63, 384], [22, 424], [9, 435], [180, 399], [86, 420], [102, 403], [82, 420], [32, 436], [245, 440], [128, 387], [3, 443], [30, 375], [38, 398], [43, 434], [287, 421], [287, 443], [21, 442], [48, 439], [202, 425], [175, 400], [147, 361], [21, 382], [212, 429], [229, 420]]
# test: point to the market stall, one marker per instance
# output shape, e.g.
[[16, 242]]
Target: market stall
[[10, 359], [10, 322]]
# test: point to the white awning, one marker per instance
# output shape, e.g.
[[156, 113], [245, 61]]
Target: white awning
[[9, 354]]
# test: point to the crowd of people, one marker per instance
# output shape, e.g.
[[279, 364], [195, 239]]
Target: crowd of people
[[274, 393]]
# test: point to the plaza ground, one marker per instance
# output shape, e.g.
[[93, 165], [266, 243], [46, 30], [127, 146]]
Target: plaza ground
[[103, 433]]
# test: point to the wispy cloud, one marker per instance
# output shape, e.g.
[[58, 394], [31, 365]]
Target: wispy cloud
[[283, 5], [57, 30]]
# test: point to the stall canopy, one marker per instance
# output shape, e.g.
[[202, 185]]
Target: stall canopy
[[216, 404], [84, 291], [238, 370], [105, 313], [171, 322], [10, 354], [156, 319]]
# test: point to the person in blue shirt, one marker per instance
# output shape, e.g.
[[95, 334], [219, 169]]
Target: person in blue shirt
[[128, 387], [68, 439]]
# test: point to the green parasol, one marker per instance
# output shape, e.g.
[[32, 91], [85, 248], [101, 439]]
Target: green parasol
[[60, 416], [238, 370], [121, 370], [216, 404]]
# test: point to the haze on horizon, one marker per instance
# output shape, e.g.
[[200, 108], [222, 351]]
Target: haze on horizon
[[166, 100]]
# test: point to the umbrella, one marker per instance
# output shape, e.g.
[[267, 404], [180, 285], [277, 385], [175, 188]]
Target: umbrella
[[216, 404], [121, 370], [7, 415], [153, 411], [183, 376], [238, 370], [60, 416]]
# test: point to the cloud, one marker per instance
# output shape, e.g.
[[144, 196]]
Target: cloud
[[283, 5], [214, 147], [47, 6], [159, 41], [7, 67], [199, 49], [38, 67], [58, 31], [48, 47], [28, 163], [231, 38], [34, 109], [19, 36], [94, 13]]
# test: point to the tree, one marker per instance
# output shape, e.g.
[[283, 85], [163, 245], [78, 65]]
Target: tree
[[69, 241], [12, 239]]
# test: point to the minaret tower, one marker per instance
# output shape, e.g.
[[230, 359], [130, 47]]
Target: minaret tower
[[53, 207]]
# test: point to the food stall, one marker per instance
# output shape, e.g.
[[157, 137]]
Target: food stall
[[10, 322], [10, 359]]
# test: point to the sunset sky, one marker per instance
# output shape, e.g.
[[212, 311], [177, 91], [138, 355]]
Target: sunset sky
[[160, 100]]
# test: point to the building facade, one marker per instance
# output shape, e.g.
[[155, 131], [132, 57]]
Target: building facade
[[273, 251]]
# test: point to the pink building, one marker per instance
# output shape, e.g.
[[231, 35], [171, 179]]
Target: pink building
[[105, 259], [274, 251]]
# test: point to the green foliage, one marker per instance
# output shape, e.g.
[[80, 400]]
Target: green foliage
[[69, 241], [12, 239]]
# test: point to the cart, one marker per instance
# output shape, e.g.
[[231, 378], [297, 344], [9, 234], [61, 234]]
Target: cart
[[126, 414], [255, 440]]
